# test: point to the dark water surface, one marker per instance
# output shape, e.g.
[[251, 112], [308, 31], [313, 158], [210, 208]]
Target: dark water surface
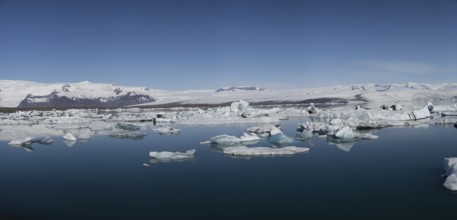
[[397, 176]]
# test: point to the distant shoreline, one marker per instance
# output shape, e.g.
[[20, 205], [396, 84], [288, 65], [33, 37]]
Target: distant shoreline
[[319, 102]]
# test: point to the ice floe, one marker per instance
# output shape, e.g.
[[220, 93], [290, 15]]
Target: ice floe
[[167, 156], [450, 168], [166, 130], [69, 137], [263, 151], [22, 141]]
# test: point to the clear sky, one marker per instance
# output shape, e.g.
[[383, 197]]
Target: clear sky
[[192, 44]]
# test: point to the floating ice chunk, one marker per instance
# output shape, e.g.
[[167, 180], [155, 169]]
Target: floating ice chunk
[[166, 130], [450, 166], [280, 139], [274, 131], [132, 135], [263, 130], [247, 137], [263, 151], [45, 140], [451, 182], [225, 139], [69, 136], [421, 113], [367, 136], [240, 106], [167, 156], [127, 126], [345, 133], [23, 141]]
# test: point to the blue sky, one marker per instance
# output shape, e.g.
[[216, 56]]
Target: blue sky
[[192, 44]]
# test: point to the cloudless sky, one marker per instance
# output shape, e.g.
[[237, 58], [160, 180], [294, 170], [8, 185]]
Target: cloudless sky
[[206, 44]]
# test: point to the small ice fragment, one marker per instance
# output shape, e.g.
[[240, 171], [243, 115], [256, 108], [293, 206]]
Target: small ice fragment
[[69, 136], [145, 165]]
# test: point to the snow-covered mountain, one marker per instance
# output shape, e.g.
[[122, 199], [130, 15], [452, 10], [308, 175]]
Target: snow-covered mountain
[[15, 93], [27, 94]]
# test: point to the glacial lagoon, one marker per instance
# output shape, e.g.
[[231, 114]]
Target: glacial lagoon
[[398, 176]]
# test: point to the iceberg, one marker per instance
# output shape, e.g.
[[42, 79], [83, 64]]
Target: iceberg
[[240, 106], [280, 139], [23, 141], [45, 140], [70, 137], [167, 156], [421, 113], [345, 133], [225, 139], [450, 167], [263, 151]]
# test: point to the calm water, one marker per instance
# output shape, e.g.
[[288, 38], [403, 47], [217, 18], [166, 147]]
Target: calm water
[[397, 176]]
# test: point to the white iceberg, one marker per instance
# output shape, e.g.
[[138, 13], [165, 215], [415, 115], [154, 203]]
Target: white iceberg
[[345, 133], [450, 167], [263, 151], [23, 141], [451, 182], [240, 106], [70, 137], [421, 113], [280, 139], [167, 156], [225, 139]]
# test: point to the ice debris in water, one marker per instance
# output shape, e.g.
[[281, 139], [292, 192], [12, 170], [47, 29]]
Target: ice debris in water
[[23, 141], [131, 135], [345, 133], [264, 131], [225, 139], [128, 126], [166, 130], [450, 167], [167, 156], [69, 136], [45, 140], [263, 151]]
